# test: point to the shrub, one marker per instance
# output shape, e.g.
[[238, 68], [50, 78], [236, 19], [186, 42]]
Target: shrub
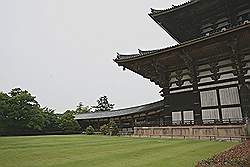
[[104, 129], [109, 129], [90, 130], [113, 128]]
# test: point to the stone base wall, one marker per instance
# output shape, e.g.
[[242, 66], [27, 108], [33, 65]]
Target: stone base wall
[[222, 131]]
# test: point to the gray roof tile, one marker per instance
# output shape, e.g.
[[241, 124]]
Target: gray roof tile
[[121, 112]]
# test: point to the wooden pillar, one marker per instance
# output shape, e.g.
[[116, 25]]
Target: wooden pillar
[[164, 81], [161, 119], [98, 124], [196, 95], [132, 122], [243, 87], [182, 117], [140, 120], [193, 73], [146, 119], [197, 100], [245, 100], [239, 71], [167, 111], [120, 123], [219, 104], [245, 104]]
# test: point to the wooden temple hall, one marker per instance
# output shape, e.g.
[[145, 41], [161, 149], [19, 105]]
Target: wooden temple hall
[[205, 79]]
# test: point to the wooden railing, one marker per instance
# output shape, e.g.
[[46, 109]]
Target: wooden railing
[[231, 121], [210, 137]]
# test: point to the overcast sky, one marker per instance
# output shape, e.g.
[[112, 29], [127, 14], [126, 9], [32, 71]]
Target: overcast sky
[[62, 51]]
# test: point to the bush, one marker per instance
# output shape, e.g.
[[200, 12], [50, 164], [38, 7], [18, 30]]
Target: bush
[[113, 128], [104, 129], [90, 130], [109, 129]]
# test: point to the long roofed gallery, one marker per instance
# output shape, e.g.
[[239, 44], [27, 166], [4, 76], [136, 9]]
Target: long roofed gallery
[[205, 79]]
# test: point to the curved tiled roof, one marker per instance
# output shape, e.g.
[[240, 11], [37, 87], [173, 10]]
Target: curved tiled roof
[[173, 8], [121, 112], [143, 54], [124, 56]]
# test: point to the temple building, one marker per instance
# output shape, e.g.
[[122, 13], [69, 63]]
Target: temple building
[[205, 78]]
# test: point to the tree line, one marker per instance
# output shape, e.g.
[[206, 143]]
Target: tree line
[[21, 114]]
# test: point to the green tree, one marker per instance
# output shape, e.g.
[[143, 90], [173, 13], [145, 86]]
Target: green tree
[[52, 120], [68, 123], [80, 109], [4, 111], [103, 104], [20, 112], [26, 111]]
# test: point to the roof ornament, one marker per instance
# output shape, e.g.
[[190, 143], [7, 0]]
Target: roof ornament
[[154, 11], [223, 29], [140, 51], [246, 21], [118, 55]]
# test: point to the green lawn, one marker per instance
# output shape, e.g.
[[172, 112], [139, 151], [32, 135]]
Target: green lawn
[[101, 151]]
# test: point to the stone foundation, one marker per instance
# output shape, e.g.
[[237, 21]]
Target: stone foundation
[[222, 131]]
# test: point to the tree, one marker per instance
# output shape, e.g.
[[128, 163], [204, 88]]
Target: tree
[[52, 120], [67, 122], [80, 109], [103, 104], [20, 112], [4, 111]]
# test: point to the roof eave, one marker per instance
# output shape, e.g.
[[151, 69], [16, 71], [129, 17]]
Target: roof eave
[[177, 40], [185, 44]]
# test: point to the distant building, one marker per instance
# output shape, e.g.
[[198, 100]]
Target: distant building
[[205, 79]]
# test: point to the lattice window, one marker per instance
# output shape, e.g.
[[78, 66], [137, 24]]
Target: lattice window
[[210, 114], [188, 116], [231, 113], [229, 96], [176, 116], [209, 98]]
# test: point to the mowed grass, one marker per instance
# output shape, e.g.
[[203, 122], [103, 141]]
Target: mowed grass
[[103, 151]]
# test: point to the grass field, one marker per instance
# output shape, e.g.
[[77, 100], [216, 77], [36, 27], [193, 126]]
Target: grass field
[[101, 151]]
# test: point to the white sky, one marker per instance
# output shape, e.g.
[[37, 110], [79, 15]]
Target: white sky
[[62, 51]]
